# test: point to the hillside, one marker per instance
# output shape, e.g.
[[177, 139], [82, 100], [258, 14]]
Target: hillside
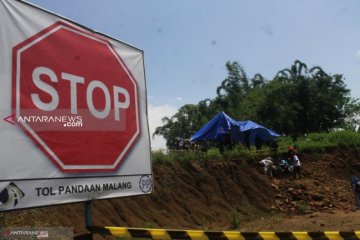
[[224, 195]]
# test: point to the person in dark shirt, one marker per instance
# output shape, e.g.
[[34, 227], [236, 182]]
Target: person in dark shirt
[[355, 186]]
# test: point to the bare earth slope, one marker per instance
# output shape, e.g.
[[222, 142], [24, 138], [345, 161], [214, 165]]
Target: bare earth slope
[[223, 195]]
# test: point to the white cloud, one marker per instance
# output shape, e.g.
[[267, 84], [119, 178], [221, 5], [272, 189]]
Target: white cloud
[[178, 98], [156, 114]]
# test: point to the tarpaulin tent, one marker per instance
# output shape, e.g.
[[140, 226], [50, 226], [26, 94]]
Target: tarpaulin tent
[[251, 131], [216, 128], [247, 132]]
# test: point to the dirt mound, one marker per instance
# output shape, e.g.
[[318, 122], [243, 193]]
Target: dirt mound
[[215, 195], [324, 186]]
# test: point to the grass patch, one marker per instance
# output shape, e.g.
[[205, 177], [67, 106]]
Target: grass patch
[[316, 143], [235, 219]]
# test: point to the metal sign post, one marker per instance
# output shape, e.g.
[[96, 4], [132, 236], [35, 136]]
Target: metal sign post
[[88, 219], [88, 223]]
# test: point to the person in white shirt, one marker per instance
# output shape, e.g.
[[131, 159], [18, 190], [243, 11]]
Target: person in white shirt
[[295, 161], [267, 163]]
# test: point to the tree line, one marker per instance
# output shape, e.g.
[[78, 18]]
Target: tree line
[[297, 101]]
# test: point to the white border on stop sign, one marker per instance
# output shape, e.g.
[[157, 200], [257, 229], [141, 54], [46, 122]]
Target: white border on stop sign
[[21, 161], [36, 136]]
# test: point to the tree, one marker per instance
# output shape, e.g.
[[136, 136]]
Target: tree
[[180, 126], [352, 112], [258, 81], [299, 100], [233, 89], [296, 101]]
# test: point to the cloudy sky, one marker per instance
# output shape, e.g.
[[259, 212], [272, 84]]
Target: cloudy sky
[[187, 42]]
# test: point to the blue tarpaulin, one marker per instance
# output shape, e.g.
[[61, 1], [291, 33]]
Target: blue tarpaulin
[[251, 131], [247, 132], [215, 128]]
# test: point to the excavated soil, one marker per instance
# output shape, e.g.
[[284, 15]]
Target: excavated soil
[[224, 195]]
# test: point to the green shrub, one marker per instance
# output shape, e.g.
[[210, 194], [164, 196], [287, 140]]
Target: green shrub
[[235, 219], [212, 154], [303, 208], [345, 138], [285, 141], [317, 143], [158, 157]]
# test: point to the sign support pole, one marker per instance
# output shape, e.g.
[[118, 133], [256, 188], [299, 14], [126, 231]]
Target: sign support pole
[[88, 223], [88, 219]]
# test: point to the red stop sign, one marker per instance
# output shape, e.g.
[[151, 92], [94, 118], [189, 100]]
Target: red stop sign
[[75, 98]]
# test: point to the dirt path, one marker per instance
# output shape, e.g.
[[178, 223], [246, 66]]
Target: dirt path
[[336, 220]]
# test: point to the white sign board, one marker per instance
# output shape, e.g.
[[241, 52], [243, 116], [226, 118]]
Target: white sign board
[[73, 112]]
